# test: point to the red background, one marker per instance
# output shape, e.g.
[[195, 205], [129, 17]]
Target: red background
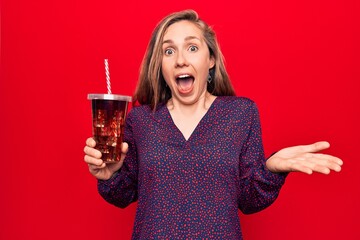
[[299, 60]]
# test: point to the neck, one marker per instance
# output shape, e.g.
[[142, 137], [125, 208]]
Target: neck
[[186, 117], [201, 105]]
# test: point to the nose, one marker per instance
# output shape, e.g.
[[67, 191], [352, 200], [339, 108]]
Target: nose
[[181, 60]]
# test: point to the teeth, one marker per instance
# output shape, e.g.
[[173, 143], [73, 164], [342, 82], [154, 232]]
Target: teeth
[[184, 76]]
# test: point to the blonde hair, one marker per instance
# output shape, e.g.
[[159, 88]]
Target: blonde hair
[[151, 88]]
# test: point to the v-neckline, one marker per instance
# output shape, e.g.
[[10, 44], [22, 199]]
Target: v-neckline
[[198, 125]]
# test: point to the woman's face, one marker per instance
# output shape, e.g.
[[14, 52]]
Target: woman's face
[[186, 62]]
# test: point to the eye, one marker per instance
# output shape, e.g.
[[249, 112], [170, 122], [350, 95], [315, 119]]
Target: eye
[[193, 48], [168, 51]]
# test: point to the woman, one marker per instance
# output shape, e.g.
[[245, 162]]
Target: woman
[[193, 154]]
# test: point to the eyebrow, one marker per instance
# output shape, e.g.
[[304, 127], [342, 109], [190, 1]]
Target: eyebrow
[[188, 38]]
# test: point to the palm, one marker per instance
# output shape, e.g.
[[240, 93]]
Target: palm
[[96, 166], [107, 171], [304, 159]]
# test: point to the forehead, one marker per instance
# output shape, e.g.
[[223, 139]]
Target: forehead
[[182, 29]]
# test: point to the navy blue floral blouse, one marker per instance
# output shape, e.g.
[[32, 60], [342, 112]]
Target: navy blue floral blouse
[[192, 189]]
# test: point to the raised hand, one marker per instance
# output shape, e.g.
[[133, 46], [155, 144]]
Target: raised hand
[[97, 167], [304, 159]]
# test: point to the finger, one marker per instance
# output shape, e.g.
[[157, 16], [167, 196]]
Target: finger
[[92, 152], [124, 147], [310, 168], [321, 169], [95, 168], [124, 150], [320, 162], [317, 164], [93, 161], [330, 158], [90, 142], [315, 147]]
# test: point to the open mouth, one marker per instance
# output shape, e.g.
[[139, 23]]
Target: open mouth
[[185, 82]]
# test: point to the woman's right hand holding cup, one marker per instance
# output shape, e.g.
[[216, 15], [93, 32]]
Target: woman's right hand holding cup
[[97, 167]]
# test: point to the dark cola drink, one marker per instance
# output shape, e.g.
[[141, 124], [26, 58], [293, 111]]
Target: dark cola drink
[[108, 117]]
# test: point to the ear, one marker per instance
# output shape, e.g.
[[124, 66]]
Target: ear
[[212, 62]]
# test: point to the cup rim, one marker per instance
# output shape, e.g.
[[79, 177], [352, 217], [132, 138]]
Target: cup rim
[[118, 97]]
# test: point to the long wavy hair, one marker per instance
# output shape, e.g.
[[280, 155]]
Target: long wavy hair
[[151, 88]]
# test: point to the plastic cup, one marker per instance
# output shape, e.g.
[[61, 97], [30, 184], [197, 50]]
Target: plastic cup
[[108, 118]]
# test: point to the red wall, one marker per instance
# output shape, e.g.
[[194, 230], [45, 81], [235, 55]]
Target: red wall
[[299, 60]]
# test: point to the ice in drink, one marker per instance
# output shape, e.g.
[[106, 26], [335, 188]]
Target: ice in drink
[[108, 117]]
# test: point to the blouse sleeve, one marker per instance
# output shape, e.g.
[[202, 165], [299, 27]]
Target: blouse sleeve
[[258, 186], [121, 189]]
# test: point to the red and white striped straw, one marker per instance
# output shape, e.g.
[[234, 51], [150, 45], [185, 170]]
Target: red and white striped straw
[[107, 73]]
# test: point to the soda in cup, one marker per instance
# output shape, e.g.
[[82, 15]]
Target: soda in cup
[[108, 120]]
